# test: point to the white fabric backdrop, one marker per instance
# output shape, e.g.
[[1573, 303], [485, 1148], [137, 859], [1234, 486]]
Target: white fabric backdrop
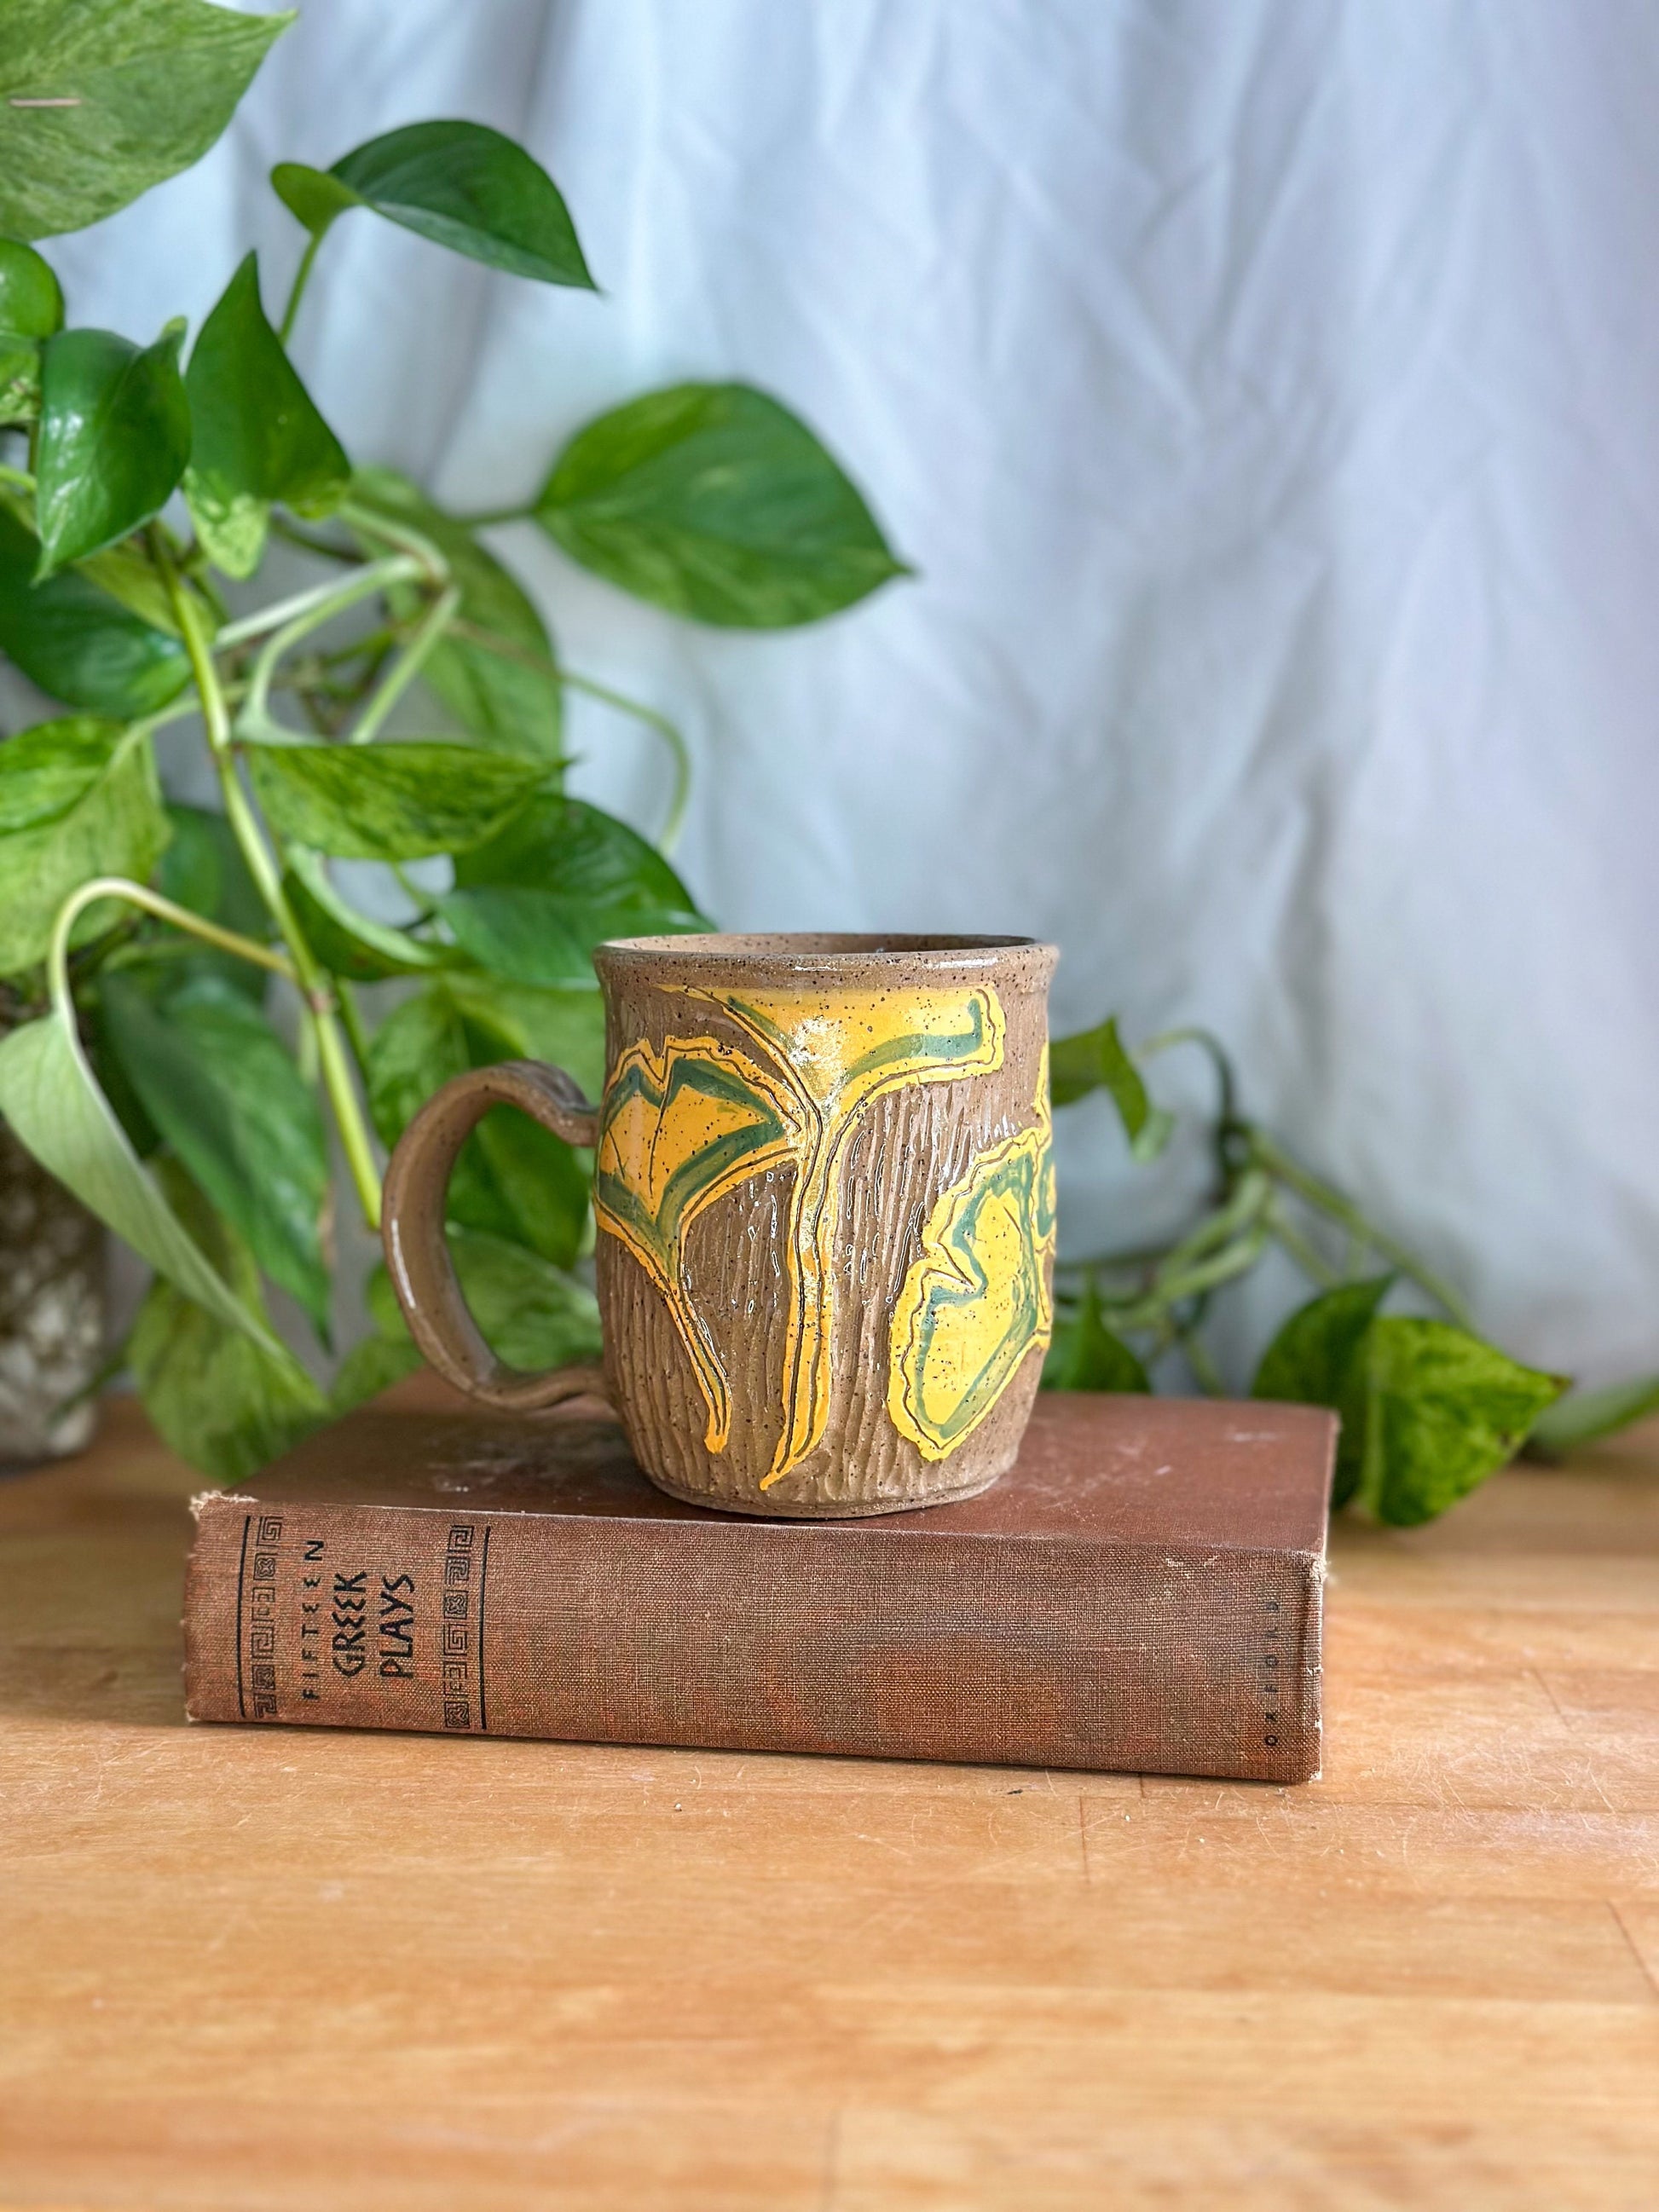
[[1268, 392]]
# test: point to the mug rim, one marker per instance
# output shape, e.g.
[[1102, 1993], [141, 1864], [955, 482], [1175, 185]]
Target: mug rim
[[823, 952]]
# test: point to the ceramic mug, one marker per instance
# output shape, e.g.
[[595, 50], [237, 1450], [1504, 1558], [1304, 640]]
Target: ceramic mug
[[825, 1212]]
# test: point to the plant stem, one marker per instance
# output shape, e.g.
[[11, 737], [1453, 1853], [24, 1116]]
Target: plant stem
[[180, 711], [371, 641], [322, 607], [407, 666], [225, 940], [407, 540], [1207, 1375], [669, 836], [1218, 1268], [352, 1020], [520, 513], [1291, 1240], [309, 973], [325, 548], [1325, 1200], [273, 616], [196, 565], [1226, 1083], [420, 900], [321, 600], [301, 278], [1136, 1258], [20, 479], [1241, 1212], [1152, 1309]]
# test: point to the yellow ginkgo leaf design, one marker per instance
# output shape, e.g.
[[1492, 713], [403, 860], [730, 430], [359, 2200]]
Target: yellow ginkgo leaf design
[[977, 1298], [683, 1126], [680, 1127]]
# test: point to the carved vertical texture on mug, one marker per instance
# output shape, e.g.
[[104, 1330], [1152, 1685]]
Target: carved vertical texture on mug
[[687, 1124], [841, 1052], [681, 1127]]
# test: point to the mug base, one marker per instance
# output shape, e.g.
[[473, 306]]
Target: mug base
[[848, 1510]]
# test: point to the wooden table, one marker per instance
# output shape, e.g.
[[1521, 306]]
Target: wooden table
[[279, 1969]]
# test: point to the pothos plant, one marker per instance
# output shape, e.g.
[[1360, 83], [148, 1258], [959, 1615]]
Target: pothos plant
[[1429, 1408], [180, 985]]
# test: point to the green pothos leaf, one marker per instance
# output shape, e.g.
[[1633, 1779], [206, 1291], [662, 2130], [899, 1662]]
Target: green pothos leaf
[[389, 802], [1320, 1357], [494, 669], [349, 943], [1428, 1410], [20, 379], [1087, 1355], [1096, 1059], [78, 799], [102, 99], [215, 1398], [223, 1401], [52, 1101], [31, 298], [714, 502], [31, 309], [113, 439], [218, 1084], [130, 578], [203, 869], [461, 185], [256, 437], [564, 1027], [514, 1179], [46, 771], [532, 1314], [76, 639], [372, 1365], [532, 902], [1443, 1411]]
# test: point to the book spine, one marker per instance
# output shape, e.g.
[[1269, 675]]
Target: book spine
[[755, 1637]]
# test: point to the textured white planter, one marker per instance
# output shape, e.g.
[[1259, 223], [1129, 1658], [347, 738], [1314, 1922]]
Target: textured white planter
[[52, 1309]]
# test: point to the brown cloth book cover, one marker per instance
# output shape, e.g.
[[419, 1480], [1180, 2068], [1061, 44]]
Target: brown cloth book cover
[[1141, 1591]]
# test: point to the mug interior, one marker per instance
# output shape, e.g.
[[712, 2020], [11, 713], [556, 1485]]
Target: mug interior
[[832, 956]]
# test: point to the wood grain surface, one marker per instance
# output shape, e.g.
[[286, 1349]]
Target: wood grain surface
[[267, 1970]]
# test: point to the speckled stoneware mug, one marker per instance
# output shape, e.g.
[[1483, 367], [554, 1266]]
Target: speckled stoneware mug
[[825, 1208]]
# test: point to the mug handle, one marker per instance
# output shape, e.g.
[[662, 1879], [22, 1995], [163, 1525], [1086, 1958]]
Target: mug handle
[[417, 1252]]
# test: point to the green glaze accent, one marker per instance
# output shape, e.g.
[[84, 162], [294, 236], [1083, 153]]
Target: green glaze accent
[[977, 1298], [679, 1128]]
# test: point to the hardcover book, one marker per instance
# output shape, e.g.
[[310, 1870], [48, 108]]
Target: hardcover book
[[1142, 1591]]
